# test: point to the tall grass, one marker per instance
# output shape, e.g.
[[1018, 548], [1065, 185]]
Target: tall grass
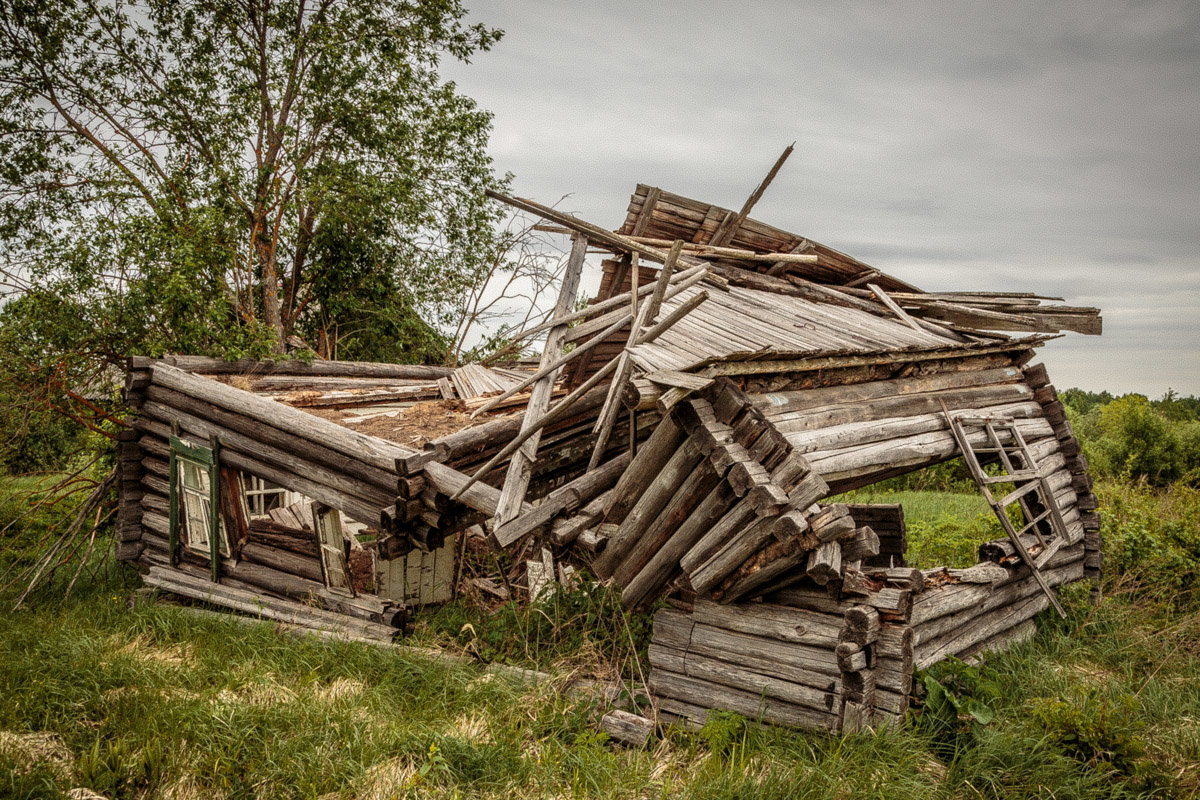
[[146, 700]]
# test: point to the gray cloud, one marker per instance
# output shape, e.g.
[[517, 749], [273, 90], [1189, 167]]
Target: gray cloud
[[1048, 147]]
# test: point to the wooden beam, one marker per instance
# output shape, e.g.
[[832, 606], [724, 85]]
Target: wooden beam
[[897, 310], [520, 467], [727, 232]]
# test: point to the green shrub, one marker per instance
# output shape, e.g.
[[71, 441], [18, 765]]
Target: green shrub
[[1151, 538], [1099, 733], [724, 732], [958, 700]]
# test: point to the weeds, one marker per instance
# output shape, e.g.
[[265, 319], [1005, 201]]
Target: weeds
[[149, 701], [578, 627]]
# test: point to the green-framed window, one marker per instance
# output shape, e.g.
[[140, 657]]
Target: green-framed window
[[195, 503]]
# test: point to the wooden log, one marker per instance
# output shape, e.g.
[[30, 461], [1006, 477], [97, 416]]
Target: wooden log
[[188, 585], [520, 467], [736, 551], [272, 534], [896, 603], [356, 507], [728, 673], [851, 657], [451, 482], [752, 706], [672, 628], [566, 530], [982, 628], [861, 545], [980, 601], [766, 620], [893, 675], [803, 664], [259, 578], [691, 493], [831, 523], [1001, 641], [861, 625], [283, 560], [895, 407], [628, 729], [814, 666], [652, 458], [203, 365], [664, 564], [380, 490], [570, 496], [894, 642], [740, 515], [777, 403], [910, 451], [594, 540], [906, 578], [762, 570], [656, 495], [376, 452]]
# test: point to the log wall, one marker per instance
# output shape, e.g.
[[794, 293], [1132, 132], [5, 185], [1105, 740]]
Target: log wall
[[840, 657], [404, 492], [760, 659]]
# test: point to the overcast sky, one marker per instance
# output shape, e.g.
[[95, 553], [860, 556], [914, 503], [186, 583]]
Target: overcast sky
[[1049, 147]]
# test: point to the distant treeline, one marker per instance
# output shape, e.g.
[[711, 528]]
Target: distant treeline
[[1135, 437]]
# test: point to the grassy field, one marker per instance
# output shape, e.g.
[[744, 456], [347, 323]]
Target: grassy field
[[140, 700], [944, 528]]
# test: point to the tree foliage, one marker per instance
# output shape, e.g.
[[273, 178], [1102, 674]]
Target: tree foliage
[[192, 171], [1134, 437], [218, 176]]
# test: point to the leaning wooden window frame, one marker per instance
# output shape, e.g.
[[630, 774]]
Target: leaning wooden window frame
[[195, 502], [327, 522]]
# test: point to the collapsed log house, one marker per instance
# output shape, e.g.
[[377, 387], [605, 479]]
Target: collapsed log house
[[728, 379]]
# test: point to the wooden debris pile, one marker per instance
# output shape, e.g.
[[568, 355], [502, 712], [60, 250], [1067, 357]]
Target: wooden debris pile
[[735, 245], [716, 496], [676, 437]]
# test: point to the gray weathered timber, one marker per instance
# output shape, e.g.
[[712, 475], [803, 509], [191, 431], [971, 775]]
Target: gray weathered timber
[[202, 365], [664, 564], [752, 706], [629, 729], [376, 452], [794, 625], [728, 674], [699, 484], [674, 472], [520, 466], [568, 497]]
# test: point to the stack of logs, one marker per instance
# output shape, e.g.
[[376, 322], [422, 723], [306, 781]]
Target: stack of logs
[[429, 479], [842, 655], [802, 659], [716, 496]]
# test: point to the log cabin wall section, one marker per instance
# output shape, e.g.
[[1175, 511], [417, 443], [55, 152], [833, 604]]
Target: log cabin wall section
[[392, 498]]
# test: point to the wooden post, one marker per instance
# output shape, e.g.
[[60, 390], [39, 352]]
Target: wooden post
[[520, 467], [726, 233]]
